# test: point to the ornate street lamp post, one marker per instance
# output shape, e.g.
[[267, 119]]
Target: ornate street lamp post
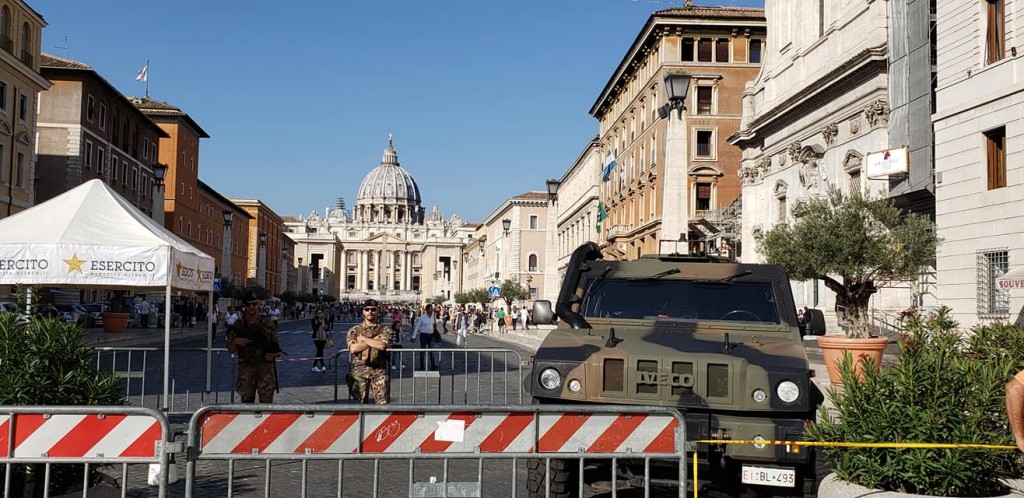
[[225, 258]]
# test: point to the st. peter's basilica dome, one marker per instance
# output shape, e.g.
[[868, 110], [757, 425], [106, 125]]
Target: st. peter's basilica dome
[[388, 194]]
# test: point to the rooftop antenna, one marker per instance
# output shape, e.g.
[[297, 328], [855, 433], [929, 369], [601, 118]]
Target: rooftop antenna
[[65, 47]]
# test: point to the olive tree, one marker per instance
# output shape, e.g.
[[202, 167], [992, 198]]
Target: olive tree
[[512, 290], [851, 243]]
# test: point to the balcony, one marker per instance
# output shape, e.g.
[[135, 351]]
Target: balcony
[[616, 231], [26, 57], [7, 44]]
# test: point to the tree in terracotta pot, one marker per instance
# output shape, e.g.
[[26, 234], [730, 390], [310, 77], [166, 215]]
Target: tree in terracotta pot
[[852, 243], [946, 387]]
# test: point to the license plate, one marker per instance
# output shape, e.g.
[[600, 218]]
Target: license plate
[[769, 476]]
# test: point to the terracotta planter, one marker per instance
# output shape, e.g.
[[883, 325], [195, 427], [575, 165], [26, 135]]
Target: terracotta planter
[[115, 322], [834, 347], [833, 486]]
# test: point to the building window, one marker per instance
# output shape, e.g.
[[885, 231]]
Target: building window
[[5, 30], [704, 94], [855, 183], [703, 199], [780, 190], [781, 206], [995, 157], [88, 154], [103, 117], [532, 264], [145, 147], [704, 143], [19, 171], [995, 34], [534, 222], [3, 165], [124, 173], [755, 51], [190, 229], [704, 50], [688, 47], [993, 302], [3, 97], [90, 109], [722, 50], [100, 160], [22, 107], [113, 168]]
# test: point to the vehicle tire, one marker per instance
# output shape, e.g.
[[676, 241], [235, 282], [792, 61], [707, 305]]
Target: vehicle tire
[[564, 478]]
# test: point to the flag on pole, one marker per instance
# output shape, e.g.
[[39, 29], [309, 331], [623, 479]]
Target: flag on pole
[[601, 215], [143, 73], [609, 165]]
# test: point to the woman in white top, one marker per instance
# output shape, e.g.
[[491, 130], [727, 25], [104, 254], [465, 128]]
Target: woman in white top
[[424, 331]]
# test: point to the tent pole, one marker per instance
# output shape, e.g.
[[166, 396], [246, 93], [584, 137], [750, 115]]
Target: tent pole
[[209, 341], [167, 346]]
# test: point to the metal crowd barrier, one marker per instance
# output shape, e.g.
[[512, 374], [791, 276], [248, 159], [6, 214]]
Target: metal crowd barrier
[[141, 371], [420, 451], [90, 436], [473, 376]]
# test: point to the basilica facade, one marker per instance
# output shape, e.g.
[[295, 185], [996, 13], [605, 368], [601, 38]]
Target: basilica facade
[[387, 248]]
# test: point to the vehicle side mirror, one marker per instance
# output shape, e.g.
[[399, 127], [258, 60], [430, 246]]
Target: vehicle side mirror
[[542, 313], [815, 321]]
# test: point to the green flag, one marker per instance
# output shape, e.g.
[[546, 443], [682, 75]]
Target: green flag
[[601, 215]]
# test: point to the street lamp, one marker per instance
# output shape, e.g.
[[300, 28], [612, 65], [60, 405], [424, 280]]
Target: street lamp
[[677, 86], [552, 188], [159, 172], [225, 263], [505, 225]]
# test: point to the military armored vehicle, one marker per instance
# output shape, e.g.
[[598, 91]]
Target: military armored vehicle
[[718, 340]]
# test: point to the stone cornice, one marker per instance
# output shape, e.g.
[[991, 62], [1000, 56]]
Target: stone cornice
[[860, 67]]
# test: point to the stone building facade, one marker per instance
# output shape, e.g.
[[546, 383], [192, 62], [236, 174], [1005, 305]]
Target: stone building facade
[[675, 169], [388, 248], [979, 158], [817, 108], [80, 141], [21, 30]]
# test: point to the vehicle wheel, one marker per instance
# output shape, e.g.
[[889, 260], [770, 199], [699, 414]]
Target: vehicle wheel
[[564, 478]]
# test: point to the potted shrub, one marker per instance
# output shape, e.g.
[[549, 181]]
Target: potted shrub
[[851, 242], [944, 388], [45, 363]]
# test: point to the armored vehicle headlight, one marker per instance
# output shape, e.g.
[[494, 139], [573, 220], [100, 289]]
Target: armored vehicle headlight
[[575, 385], [550, 379], [787, 391], [759, 396]]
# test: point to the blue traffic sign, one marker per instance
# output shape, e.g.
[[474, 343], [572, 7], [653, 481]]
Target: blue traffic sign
[[216, 285], [494, 291]]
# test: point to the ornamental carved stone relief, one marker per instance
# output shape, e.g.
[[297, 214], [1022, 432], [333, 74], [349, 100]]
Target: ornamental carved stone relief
[[830, 133], [794, 150], [855, 125], [877, 113]]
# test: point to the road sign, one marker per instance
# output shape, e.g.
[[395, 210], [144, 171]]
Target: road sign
[[494, 291], [216, 285]]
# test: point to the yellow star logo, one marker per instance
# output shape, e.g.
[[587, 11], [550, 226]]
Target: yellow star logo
[[199, 276], [178, 269], [75, 264]]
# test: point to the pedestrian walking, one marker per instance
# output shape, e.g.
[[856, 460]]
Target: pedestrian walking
[[254, 340], [396, 343], [368, 343], [320, 336], [424, 331], [144, 312], [500, 318], [462, 320], [524, 318]]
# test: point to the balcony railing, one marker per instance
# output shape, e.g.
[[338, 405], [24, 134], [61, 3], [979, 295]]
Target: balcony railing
[[7, 44], [26, 57]]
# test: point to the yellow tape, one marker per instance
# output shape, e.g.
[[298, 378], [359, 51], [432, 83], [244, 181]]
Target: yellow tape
[[955, 446]]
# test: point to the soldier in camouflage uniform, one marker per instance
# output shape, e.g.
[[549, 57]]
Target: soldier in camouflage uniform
[[368, 342], [254, 339]]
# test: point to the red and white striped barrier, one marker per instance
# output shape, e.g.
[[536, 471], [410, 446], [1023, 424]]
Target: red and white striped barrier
[[295, 432], [80, 435]]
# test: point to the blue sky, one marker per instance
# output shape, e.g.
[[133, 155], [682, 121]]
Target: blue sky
[[486, 99]]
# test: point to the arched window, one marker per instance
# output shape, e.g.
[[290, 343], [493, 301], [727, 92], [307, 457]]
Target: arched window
[[26, 44], [5, 29], [532, 263]]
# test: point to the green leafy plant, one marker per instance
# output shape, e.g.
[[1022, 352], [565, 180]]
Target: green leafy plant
[[43, 362], [851, 243], [944, 388]]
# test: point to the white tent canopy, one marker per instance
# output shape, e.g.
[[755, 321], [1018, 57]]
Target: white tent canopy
[[90, 236], [1012, 280]]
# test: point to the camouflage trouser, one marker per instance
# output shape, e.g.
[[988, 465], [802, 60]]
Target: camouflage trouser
[[364, 380], [256, 378]]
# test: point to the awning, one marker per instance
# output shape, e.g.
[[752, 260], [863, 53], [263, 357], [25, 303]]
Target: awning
[[1014, 279]]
